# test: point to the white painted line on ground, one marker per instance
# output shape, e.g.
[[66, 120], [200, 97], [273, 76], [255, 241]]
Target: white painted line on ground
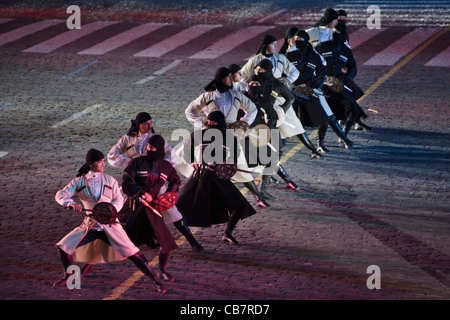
[[3, 153], [230, 42], [401, 47], [271, 15], [26, 30], [441, 60], [362, 35], [160, 72], [122, 38], [6, 105], [68, 37], [79, 70], [176, 41], [76, 116]]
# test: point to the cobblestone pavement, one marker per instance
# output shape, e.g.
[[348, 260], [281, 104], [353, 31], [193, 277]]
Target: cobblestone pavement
[[384, 203]]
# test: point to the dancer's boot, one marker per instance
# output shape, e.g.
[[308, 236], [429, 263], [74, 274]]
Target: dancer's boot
[[163, 274], [186, 232], [231, 225], [142, 264], [322, 130], [284, 175], [348, 144], [260, 202], [303, 137]]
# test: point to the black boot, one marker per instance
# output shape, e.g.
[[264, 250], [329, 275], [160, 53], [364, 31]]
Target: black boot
[[338, 131], [305, 140], [186, 232], [321, 138], [263, 188], [141, 262], [260, 202], [359, 125], [284, 175], [163, 274], [67, 261], [354, 115], [232, 222]]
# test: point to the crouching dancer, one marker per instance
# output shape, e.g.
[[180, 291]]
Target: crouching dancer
[[141, 182], [93, 242], [209, 198], [133, 145]]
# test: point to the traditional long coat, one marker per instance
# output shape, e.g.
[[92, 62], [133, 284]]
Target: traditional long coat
[[91, 189], [142, 225]]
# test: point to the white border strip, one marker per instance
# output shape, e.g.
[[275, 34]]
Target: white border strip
[[160, 72], [76, 116]]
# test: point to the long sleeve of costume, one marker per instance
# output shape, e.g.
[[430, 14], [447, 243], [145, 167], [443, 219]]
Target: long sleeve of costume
[[248, 107], [117, 199], [129, 185], [248, 69], [351, 67], [91, 189], [305, 76], [288, 96], [194, 109], [173, 180], [290, 70], [64, 196], [117, 156], [320, 73]]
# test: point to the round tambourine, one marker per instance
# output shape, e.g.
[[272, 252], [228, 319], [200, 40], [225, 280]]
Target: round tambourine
[[105, 213], [305, 91], [286, 82], [260, 135], [334, 84], [165, 201], [240, 129], [225, 170]]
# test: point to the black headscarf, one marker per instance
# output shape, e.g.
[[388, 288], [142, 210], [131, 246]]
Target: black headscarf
[[290, 32], [267, 65], [300, 44], [92, 156], [341, 35], [234, 68], [217, 83], [342, 13], [158, 142], [328, 16], [268, 39], [341, 25], [140, 118]]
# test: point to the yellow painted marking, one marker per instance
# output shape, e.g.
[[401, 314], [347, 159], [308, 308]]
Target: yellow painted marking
[[408, 58]]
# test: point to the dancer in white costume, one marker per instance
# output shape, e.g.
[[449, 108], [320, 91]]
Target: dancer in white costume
[[219, 95], [93, 242]]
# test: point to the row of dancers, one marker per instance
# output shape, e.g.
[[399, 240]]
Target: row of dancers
[[282, 91]]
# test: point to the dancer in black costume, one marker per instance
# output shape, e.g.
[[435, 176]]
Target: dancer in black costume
[[206, 199], [143, 178]]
